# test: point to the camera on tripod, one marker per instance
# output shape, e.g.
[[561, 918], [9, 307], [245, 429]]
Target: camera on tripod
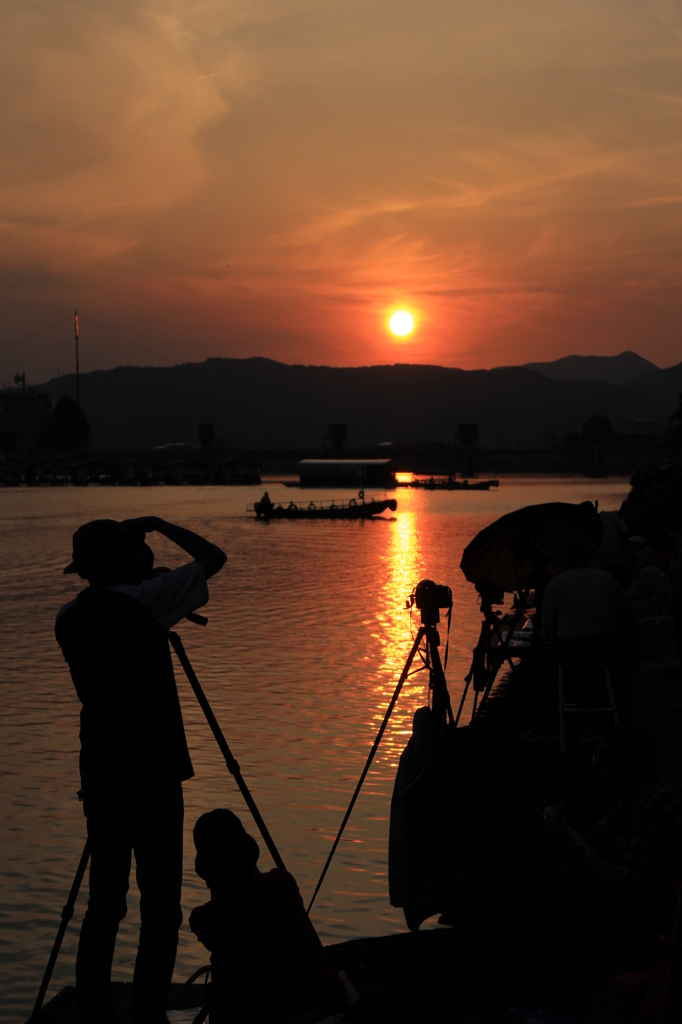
[[428, 594], [430, 597], [489, 592]]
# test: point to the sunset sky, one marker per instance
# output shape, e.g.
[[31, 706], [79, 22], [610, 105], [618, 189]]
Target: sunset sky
[[228, 177]]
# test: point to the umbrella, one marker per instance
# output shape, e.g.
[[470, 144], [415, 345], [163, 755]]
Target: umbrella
[[515, 550]]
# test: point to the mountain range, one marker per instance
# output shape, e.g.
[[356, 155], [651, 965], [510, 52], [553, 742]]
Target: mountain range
[[258, 402], [620, 369]]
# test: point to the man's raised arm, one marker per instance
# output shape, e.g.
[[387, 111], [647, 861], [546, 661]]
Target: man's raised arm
[[210, 557]]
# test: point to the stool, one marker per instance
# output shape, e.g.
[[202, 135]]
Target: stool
[[576, 708], [582, 709]]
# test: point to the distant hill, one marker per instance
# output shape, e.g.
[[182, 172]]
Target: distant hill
[[612, 369], [663, 386], [261, 403]]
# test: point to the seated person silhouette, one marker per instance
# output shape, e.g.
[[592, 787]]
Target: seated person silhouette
[[620, 871], [266, 961], [632, 853]]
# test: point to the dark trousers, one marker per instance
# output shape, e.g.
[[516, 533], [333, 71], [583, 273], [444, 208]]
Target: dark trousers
[[149, 823], [612, 649]]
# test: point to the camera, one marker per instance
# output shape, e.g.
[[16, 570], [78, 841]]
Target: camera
[[490, 592], [430, 595]]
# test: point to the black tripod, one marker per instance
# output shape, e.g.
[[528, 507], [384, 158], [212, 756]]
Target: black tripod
[[491, 650], [230, 760], [429, 598]]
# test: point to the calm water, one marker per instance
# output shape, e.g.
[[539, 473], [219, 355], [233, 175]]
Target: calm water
[[306, 639]]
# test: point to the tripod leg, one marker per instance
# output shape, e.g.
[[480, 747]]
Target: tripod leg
[[503, 655], [474, 672], [230, 761], [377, 741], [467, 680], [491, 673], [442, 697], [504, 641], [67, 914], [486, 693], [478, 668]]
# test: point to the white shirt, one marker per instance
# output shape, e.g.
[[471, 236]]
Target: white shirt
[[169, 596], [585, 602]]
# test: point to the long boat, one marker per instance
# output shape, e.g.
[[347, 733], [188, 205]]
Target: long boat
[[449, 484], [360, 508]]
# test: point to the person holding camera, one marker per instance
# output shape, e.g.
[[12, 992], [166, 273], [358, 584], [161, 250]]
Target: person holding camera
[[134, 756]]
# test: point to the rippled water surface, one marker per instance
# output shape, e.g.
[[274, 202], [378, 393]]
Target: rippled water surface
[[308, 633]]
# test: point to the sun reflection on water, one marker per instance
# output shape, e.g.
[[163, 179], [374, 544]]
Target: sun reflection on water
[[394, 635]]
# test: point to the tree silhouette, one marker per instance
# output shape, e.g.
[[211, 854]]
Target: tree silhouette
[[598, 428], [597, 432], [67, 430]]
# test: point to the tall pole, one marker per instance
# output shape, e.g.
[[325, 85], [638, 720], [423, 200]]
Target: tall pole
[[78, 379]]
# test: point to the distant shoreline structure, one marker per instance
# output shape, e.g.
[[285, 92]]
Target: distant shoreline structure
[[273, 415]]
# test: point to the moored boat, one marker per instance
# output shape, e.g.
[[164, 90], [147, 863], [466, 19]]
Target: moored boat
[[450, 484]]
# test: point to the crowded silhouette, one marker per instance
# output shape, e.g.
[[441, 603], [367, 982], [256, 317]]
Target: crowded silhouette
[[608, 848]]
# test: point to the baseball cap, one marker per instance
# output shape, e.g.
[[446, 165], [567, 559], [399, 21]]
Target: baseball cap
[[103, 544]]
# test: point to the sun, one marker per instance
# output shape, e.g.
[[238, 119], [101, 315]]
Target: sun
[[401, 323]]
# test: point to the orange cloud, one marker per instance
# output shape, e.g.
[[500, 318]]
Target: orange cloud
[[272, 178]]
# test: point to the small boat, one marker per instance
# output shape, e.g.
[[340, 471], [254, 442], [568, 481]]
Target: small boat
[[353, 509], [450, 484]]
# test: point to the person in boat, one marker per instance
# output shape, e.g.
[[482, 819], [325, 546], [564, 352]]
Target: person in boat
[[134, 755], [266, 505], [267, 963]]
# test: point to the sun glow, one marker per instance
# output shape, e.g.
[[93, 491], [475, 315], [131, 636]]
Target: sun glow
[[401, 323]]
